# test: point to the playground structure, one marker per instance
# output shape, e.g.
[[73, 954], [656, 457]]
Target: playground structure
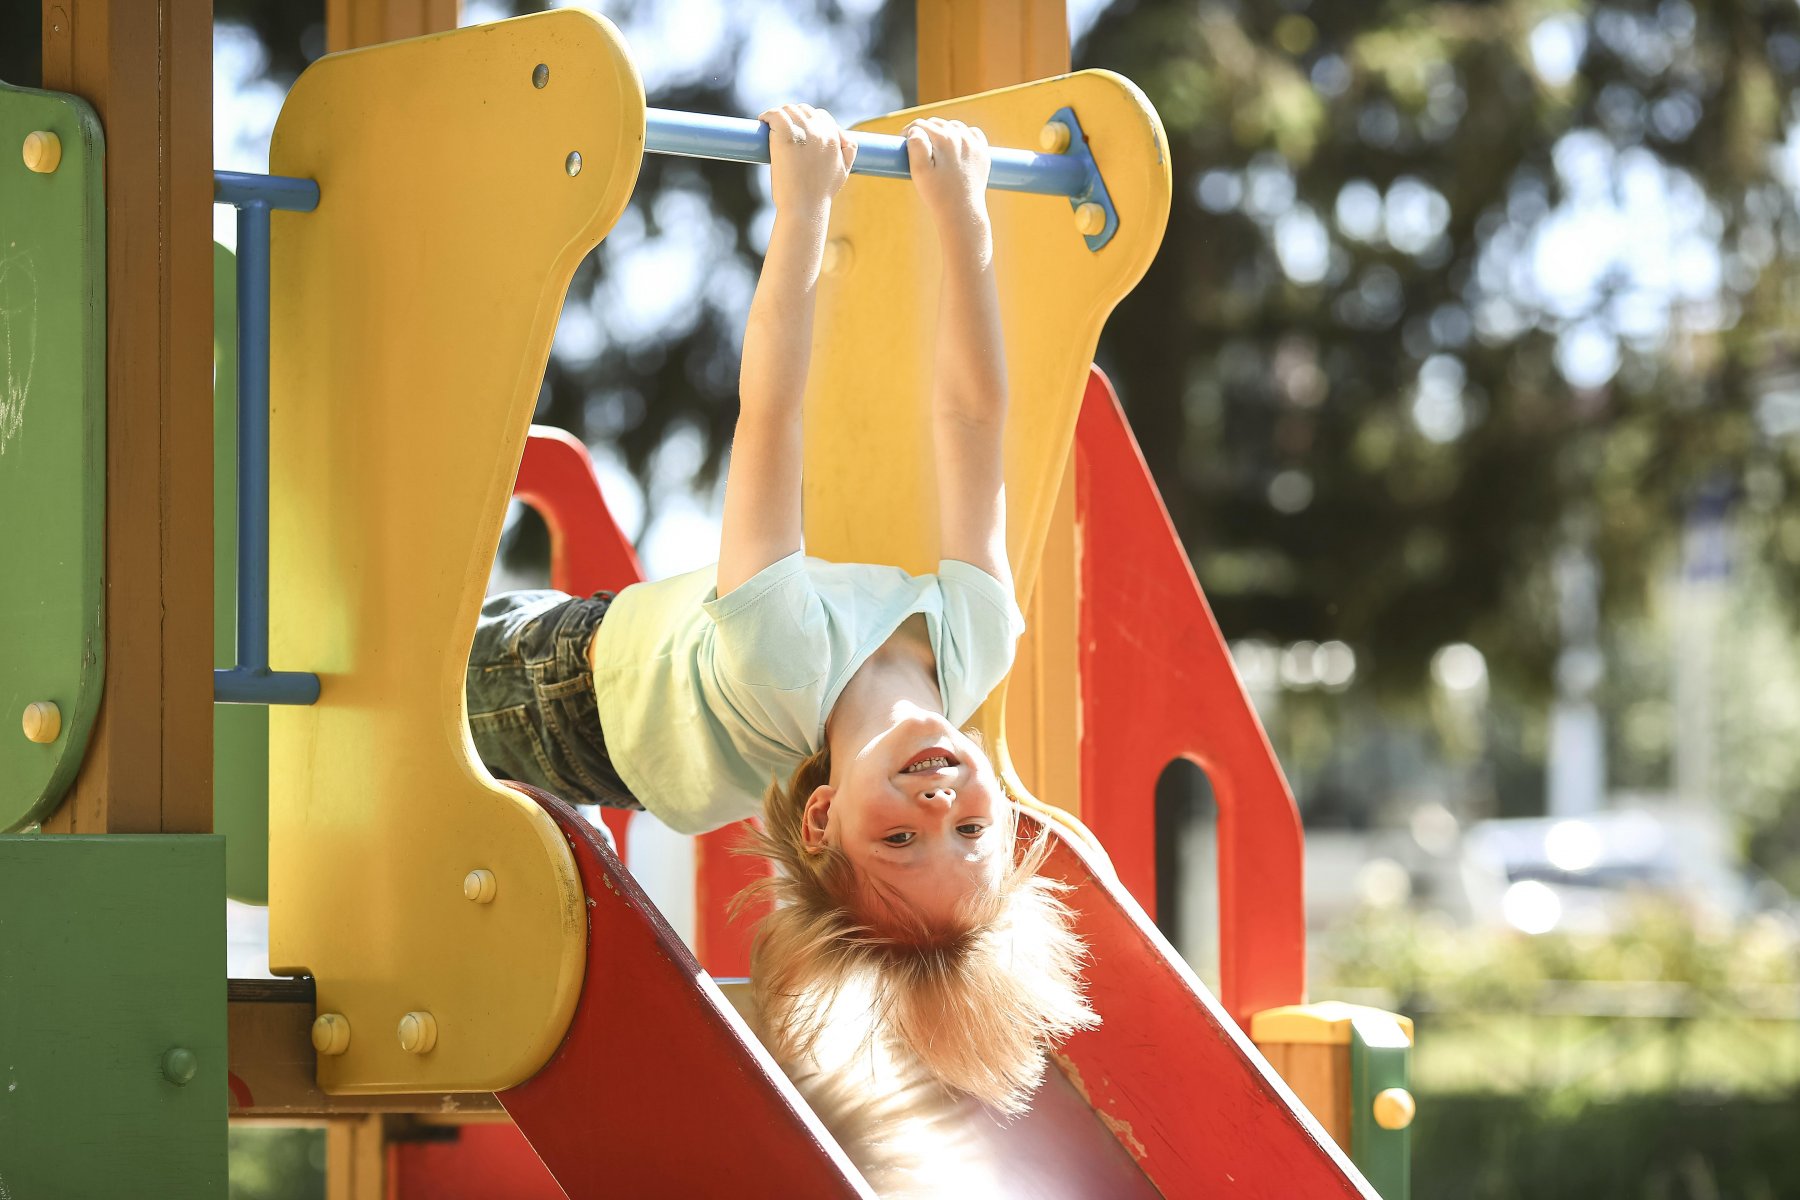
[[465, 949]]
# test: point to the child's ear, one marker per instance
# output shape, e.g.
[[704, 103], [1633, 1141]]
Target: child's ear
[[815, 816]]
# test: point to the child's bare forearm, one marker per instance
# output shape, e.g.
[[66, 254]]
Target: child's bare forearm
[[809, 160], [971, 352], [778, 335]]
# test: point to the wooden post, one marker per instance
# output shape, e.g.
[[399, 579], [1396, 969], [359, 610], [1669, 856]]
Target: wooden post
[[146, 67], [356, 1156], [976, 45], [353, 23], [968, 46]]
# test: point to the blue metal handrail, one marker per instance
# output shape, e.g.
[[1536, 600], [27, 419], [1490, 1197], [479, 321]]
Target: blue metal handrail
[[251, 681], [739, 139], [1072, 174]]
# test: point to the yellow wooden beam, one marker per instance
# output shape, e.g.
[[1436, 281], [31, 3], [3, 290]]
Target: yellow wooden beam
[[350, 24], [146, 67], [969, 46]]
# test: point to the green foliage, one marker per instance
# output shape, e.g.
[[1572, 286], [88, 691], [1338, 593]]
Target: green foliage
[[1425, 956], [1485, 1146], [270, 1162]]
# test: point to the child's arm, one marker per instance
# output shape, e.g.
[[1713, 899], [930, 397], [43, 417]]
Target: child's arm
[[810, 159], [968, 409]]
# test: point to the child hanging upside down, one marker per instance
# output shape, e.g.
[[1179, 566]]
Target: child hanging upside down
[[834, 693]]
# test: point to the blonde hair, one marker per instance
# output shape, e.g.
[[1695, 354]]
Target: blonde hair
[[979, 998]]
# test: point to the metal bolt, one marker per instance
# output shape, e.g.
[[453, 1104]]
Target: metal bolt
[[418, 1032], [1090, 219], [572, 164], [1055, 137], [480, 886], [839, 255], [179, 1065], [42, 722], [1394, 1108], [540, 75], [43, 151], [331, 1034]]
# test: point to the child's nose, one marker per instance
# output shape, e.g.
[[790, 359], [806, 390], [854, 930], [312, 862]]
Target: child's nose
[[937, 797]]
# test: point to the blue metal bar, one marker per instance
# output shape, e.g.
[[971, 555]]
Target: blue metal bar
[[273, 191], [739, 139], [251, 681]]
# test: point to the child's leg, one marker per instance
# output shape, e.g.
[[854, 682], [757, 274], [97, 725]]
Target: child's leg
[[531, 700]]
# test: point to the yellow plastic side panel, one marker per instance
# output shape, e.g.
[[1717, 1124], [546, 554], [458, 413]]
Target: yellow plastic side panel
[[412, 318], [869, 474]]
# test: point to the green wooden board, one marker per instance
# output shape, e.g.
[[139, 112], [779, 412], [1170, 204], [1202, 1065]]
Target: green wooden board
[[1380, 1058], [52, 445], [240, 731], [112, 955]]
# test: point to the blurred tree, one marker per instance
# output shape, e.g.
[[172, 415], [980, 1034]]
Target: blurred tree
[[1450, 286]]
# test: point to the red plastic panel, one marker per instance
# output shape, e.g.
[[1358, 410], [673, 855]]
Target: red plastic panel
[[588, 553], [1158, 683], [660, 1089], [473, 1162], [588, 550], [1175, 1080]]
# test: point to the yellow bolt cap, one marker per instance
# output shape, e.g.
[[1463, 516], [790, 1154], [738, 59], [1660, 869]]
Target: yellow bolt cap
[[839, 254], [1054, 137], [480, 886], [43, 151], [331, 1033], [43, 721], [1090, 219], [418, 1032], [1394, 1108]]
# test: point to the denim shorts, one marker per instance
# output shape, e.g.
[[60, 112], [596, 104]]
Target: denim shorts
[[530, 689]]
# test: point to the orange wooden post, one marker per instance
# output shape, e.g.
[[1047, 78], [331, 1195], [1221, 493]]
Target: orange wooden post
[[146, 67], [353, 23], [968, 46]]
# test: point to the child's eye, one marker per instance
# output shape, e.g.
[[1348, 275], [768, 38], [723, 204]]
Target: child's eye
[[971, 830], [898, 839]]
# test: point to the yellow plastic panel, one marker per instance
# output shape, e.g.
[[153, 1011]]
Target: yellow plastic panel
[[870, 493], [412, 317]]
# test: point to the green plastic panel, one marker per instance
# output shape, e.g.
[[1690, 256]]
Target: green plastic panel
[[112, 960], [1380, 1058], [240, 731], [52, 445]]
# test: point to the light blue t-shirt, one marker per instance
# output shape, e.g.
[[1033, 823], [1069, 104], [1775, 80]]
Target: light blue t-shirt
[[704, 701]]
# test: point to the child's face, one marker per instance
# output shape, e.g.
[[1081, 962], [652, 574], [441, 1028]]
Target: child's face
[[918, 812]]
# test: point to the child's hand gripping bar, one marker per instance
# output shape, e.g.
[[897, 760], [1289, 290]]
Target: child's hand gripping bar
[[1071, 173]]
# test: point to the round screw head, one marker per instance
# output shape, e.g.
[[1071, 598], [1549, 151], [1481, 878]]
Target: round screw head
[[1055, 137], [1394, 1108], [572, 164], [42, 721], [1090, 219], [179, 1065], [839, 255], [331, 1034], [43, 151], [418, 1032], [540, 75], [480, 886]]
